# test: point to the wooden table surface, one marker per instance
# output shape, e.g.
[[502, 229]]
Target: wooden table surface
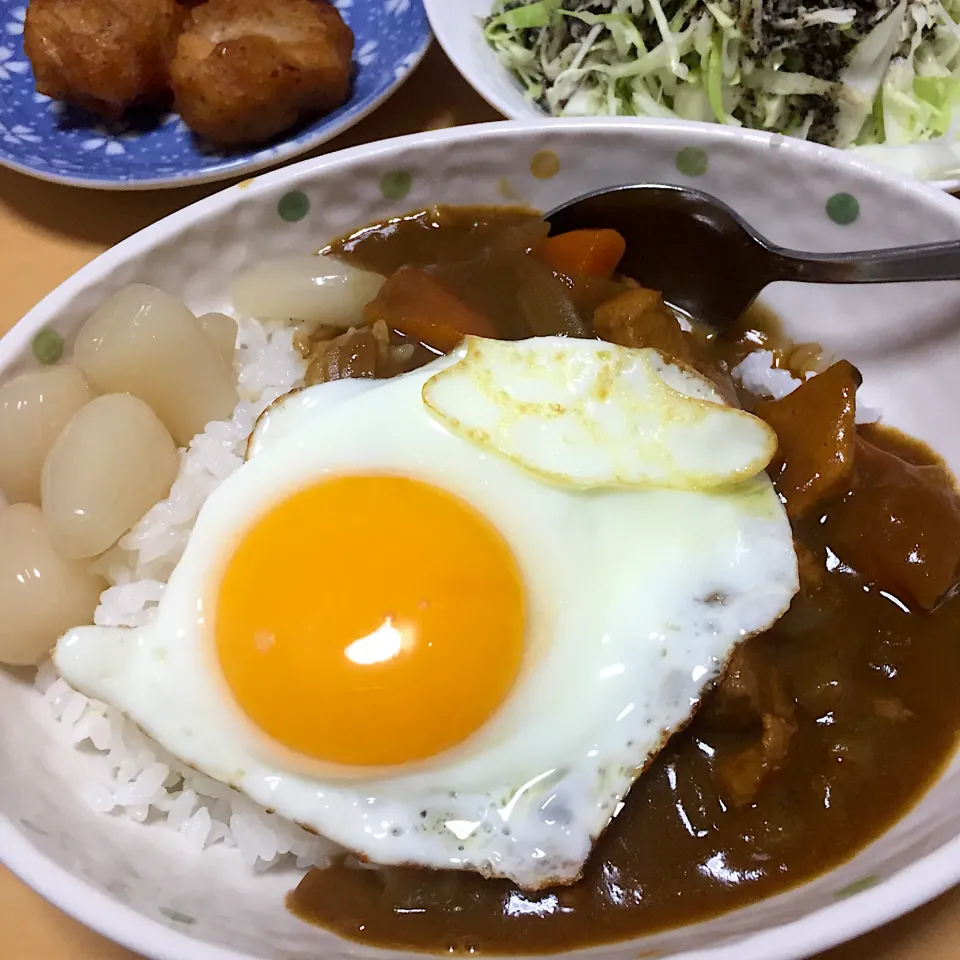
[[48, 232]]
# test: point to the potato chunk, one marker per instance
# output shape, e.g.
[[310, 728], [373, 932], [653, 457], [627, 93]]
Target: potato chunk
[[816, 435]]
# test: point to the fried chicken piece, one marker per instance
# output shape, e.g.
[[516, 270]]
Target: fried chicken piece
[[105, 55], [246, 70]]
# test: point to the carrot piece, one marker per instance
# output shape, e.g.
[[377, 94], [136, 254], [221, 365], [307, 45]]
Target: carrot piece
[[591, 253], [418, 306]]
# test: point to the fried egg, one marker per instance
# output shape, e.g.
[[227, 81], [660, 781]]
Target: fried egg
[[458, 646]]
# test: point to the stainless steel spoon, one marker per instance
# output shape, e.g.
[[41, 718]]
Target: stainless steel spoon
[[708, 262]]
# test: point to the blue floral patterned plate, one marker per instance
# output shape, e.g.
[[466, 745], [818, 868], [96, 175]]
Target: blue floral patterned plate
[[46, 139]]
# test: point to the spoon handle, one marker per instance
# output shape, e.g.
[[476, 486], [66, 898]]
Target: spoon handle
[[929, 261]]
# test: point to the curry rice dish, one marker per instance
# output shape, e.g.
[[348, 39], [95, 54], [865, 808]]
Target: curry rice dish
[[803, 704]]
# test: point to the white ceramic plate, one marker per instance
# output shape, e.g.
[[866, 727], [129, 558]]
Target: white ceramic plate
[[139, 884], [458, 30]]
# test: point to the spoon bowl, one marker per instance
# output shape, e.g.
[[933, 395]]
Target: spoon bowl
[[709, 263]]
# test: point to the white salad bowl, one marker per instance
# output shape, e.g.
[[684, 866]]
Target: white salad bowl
[[458, 28], [142, 884]]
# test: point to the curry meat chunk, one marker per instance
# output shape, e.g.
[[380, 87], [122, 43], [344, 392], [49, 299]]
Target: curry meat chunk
[[899, 527], [752, 698], [351, 355], [816, 436], [639, 318], [810, 567], [896, 523], [358, 353]]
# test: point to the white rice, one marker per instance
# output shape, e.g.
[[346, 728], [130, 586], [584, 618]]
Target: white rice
[[758, 374], [133, 775]]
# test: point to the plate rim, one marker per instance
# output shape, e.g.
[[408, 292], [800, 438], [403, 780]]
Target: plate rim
[[901, 893]]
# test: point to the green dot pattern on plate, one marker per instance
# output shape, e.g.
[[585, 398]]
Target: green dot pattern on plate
[[692, 162], [545, 164], [843, 208], [395, 185], [293, 206], [176, 916], [48, 347], [858, 886]]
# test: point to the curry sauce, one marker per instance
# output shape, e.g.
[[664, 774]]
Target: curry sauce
[[823, 732]]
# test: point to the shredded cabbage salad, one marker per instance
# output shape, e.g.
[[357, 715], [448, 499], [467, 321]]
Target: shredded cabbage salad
[[840, 72]]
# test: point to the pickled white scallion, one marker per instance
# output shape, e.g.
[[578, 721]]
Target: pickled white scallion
[[34, 408], [222, 330], [146, 343], [312, 290], [42, 595], [112, 463]]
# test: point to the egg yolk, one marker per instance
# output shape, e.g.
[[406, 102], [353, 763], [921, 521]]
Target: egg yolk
[[370, 620]]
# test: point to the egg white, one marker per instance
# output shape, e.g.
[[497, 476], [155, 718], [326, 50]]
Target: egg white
[[635, 602], [584, 413]]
